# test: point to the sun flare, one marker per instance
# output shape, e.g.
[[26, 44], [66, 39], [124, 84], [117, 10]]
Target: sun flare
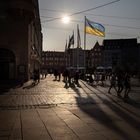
[[66, 19]]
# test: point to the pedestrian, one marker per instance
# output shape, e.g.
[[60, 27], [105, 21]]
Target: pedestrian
[[71, 76], [97, 78], [120, 83], [102, 79], [55, 74], [59, 75], [66, 77], [77, 77], [46, 72], [127, 85], [112, 83], [91, 79], [36, 76]]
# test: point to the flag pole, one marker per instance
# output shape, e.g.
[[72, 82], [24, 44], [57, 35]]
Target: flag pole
[[73, 35], [73, 53], [77, 55], [66, 56], [85, 46]]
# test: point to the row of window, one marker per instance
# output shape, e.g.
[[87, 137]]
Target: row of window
[[52, 59], [54, 63], [96, 54], [112, 47], [54, 55]]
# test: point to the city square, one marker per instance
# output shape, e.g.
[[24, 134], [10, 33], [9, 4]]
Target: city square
[[50, 111], [69, 70]]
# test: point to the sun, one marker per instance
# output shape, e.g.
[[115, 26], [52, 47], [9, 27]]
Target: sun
[[66, 19]]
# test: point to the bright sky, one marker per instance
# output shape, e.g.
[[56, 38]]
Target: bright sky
[[120, 19]]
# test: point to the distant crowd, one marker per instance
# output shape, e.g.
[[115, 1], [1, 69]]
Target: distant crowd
[[70, 77], [119, 81]]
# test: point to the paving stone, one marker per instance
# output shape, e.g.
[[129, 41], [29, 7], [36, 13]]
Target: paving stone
[[50, 111], [36, 133], [93, 137], [15, 134]]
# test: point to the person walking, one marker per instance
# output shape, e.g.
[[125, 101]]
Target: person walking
[[59, 75], [102, 79], [66, 77], [36, 76], [91, 80], [112, 83], [120, 83], [55, 74], [77, 77], [127, 85]]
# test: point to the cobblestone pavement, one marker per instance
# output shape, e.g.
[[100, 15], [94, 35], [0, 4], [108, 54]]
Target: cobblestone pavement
[[50, 92], [52, 111]]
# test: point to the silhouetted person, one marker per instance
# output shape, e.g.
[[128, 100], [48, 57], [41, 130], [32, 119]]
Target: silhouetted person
[[127, 85], [46, 72], [112, 83], [66, 77], [102, 79], [55, 74], [91, 79], [36, 76], [59, 75], [77, 77], [120, 83], [97, 78]]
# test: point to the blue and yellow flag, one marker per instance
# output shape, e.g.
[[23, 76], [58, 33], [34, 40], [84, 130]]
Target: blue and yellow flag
[[94, 28]]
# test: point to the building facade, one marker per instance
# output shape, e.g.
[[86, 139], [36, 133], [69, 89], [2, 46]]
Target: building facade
[[53, 60], [20, 39], [75, 57], [70, 59], [116, 54], [121, 54], [96, 54]]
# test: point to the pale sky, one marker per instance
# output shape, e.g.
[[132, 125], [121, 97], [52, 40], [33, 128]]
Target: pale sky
[[120, 19]]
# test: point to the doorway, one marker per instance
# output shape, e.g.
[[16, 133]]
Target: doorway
[[7, 65]]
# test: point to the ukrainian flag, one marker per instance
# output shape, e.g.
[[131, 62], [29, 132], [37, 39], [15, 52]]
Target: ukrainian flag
[[94, 28]]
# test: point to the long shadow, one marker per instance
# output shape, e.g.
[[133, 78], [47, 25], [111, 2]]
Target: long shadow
[[33, 84], [132, 103], [119, 111], [6, 85], [71, 85], [127, 101], [102, 117], [76, 89]]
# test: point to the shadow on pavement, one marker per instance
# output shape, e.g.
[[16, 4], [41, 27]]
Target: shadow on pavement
[[32, 85], [129, 101], [71, 85], [5, 86], [132, 102], [102, 117]]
